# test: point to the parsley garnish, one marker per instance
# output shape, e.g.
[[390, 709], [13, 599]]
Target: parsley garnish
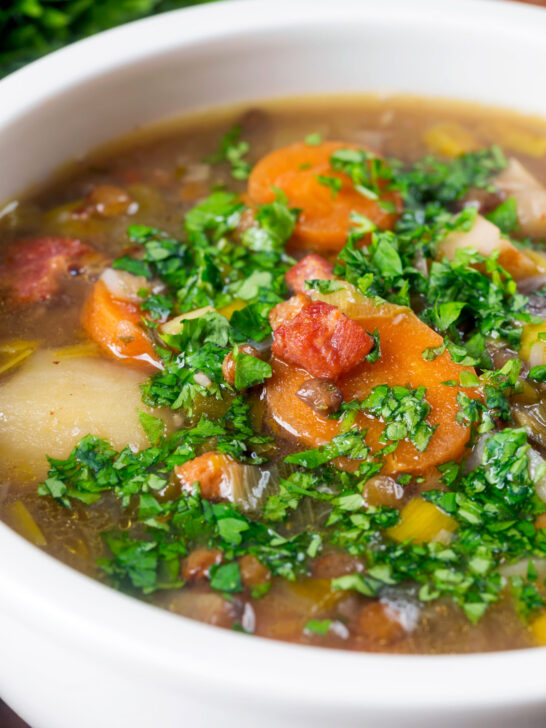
[[249, 370], [333, 183], [404, 412], [232, 150]]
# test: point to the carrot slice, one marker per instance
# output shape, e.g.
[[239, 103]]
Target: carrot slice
[[325, 218], [210, 471], [115, 326], [403, 339]]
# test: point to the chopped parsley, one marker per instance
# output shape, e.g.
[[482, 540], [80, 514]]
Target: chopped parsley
[[249, 370], [333, 183], [232, 150], [505, 216], [403, 410]]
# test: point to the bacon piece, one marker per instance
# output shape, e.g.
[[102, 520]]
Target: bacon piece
[[322, 340], [312, 267], [32, 268], [287, 310]]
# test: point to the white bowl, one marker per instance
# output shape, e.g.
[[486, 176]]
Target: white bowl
[[75, 654]]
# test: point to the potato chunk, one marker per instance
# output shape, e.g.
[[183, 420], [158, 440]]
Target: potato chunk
[[52, 402], [486, 238]]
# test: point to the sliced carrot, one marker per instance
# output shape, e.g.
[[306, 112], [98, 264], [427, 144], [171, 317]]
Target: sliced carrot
[[324, 221], [403, 339], [210, 470], [115, 326]]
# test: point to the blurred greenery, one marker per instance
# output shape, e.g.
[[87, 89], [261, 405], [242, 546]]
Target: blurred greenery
[[31, 28]]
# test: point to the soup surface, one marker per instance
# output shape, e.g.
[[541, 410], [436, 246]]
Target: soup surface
[[281, 370]]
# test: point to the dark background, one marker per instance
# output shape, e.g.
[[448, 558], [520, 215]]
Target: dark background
[[30, 37]]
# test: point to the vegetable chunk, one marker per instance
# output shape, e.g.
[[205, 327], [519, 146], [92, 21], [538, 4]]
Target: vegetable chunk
[[210, 471], [322, 340], [530, 197], [52, 402], [32, 269], [114, 326], [403, 339], [486, 238], [312, 267], [327, 198]]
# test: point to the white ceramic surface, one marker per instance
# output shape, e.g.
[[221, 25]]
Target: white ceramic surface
[[74, 654]]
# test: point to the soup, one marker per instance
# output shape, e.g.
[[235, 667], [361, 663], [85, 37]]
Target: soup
[[281, 370]]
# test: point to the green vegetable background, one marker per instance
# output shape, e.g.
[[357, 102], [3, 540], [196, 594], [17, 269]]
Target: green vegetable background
[[31, 28]]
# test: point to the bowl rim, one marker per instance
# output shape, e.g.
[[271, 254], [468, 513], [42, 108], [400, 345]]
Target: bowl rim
[[71, 607]]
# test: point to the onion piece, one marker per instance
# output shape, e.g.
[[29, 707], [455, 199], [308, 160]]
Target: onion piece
[[123, 285], [475, 457], [537, 471], [537, 355], [519, 568], [249, 485], [174, 326], [533, 418], [530, 196]]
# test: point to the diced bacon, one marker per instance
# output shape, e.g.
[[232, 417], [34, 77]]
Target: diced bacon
[[312, 267], [287, 310], [322, 340], [32, 268]]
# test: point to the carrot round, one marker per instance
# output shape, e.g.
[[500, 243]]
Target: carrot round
[[403, 339], [324, 221], [115, 326], [210, 470]]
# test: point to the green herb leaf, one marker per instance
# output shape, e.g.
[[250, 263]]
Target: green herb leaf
[[226, 578]]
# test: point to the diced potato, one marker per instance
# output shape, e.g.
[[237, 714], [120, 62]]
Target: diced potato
[[52, 402], [530, 196], [450, 139], [486, 238], [423, 522]]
